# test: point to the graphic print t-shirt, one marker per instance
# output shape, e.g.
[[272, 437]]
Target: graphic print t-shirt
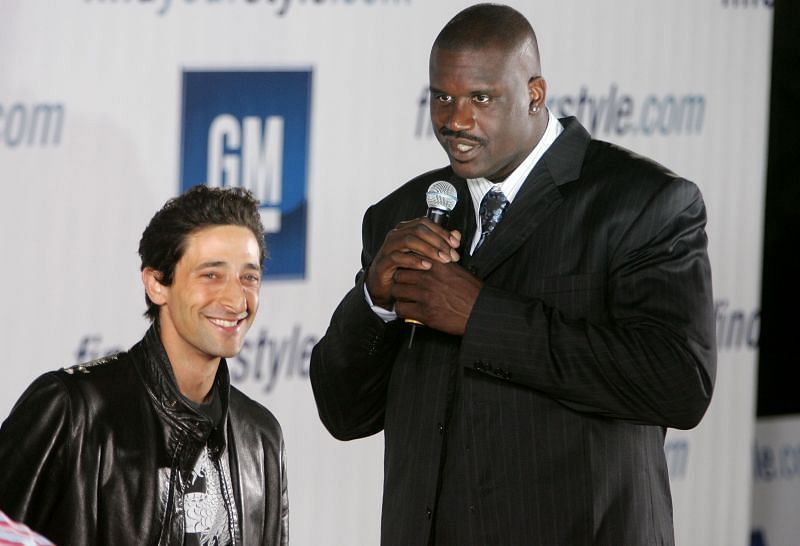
[[205, 515]]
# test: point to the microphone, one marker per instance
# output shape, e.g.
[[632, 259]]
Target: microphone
[[441, 198]]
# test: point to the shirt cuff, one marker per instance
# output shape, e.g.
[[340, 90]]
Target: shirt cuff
[[384, 314]]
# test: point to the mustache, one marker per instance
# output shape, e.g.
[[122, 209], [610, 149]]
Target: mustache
[[445, 132]]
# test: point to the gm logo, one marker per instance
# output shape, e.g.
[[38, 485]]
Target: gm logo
[[250, 129]]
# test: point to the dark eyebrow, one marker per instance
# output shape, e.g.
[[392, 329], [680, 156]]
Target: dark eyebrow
[[472, 93], [221, 263], [215, 263]]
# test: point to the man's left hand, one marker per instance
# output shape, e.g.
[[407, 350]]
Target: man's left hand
[[441, 297]]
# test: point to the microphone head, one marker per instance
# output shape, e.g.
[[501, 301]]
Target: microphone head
[[441, 195]]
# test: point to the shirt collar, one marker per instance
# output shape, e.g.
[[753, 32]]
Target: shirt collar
[[478, 187]]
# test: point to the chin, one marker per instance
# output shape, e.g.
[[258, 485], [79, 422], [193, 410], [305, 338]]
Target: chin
[[230, 353], [227, 351], [465, 171]]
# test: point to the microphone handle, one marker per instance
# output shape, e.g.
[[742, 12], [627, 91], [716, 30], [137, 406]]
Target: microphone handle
[[438, 216]]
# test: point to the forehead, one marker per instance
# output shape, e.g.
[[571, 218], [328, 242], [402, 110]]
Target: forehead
[[474, 68], [229, 243]]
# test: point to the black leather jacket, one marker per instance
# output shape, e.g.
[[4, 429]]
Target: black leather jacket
[[80, 454]]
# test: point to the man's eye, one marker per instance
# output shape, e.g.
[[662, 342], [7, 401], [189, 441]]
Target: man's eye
[[444, 99], [481, 99], [210, 275], [252, 278]]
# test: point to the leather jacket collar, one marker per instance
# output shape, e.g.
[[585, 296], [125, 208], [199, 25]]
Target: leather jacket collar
[[188, 425]]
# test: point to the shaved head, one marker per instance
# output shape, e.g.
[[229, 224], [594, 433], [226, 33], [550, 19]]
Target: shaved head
[[491, 25], [487, 93]]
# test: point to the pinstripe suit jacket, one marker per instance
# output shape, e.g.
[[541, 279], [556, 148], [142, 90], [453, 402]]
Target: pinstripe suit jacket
[[544, 423]]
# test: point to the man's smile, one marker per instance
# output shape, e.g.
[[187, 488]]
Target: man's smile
[[462, 149], [229, 324]]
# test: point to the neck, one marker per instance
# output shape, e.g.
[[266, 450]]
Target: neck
[[194, 371], [195, 379]]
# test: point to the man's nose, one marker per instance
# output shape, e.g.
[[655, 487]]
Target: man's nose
[[462, 116], [233, 296]]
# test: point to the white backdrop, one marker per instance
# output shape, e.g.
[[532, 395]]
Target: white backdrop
[[91, 120]]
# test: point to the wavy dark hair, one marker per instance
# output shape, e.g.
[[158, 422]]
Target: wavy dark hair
[[164, 239]]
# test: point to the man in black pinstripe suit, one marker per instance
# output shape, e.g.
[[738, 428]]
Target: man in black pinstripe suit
[[532, 407]]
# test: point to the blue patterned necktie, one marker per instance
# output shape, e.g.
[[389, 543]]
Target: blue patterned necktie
[[493, 205]]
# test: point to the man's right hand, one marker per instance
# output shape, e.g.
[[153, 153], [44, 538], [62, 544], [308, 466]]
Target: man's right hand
[[411, 245]]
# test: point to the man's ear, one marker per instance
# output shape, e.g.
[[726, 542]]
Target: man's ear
[[156, 291], [537, 91]]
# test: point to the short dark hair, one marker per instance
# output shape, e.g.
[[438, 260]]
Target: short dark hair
[[482, 24], [164, 239]]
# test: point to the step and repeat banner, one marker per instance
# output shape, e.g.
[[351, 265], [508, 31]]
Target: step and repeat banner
[[108, 108], [776, 481]]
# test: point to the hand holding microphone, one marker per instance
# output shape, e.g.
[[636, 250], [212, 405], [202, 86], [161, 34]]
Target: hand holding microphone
[[441, 198], [413, 245], [415, 272]]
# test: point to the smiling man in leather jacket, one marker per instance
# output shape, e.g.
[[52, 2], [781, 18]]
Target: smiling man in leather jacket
[[153, 445]]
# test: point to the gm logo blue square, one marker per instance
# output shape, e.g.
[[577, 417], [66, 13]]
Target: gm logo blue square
[[251, 129]]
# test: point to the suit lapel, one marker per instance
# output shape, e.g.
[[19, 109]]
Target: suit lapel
[[462, 217], [538, 197]]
